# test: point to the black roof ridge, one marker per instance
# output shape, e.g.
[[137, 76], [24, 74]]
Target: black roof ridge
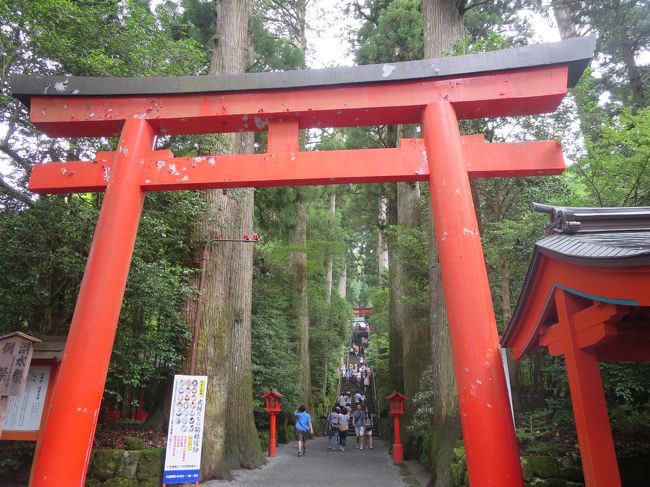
[[576, 52], [572, 219]]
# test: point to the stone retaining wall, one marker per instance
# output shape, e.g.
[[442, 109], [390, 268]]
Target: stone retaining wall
[[546, 471], [126, 468]]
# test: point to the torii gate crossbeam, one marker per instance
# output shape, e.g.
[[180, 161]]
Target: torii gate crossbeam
[[435, 93]]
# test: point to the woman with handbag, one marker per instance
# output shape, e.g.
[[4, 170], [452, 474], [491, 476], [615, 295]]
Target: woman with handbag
[[333, 428], [344, 420]]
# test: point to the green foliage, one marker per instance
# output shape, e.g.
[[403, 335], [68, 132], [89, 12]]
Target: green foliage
[[272, 337], [273, 333], [616, 170], [96, 38], [536, 430], [632, 420], [397, 35], [626, 382], [272, 52]]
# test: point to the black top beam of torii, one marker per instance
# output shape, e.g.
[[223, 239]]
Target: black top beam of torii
[[575, 52]]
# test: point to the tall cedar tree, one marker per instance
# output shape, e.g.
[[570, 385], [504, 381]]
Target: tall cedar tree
[[443, 26], [224, 348]]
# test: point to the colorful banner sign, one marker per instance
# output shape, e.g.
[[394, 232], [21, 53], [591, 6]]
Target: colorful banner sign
[[185, 434]]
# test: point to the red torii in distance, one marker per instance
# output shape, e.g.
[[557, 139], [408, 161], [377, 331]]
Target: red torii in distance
[[435, 93]]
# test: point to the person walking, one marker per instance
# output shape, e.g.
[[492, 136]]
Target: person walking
[[344, 420], [366, 381], [358, 397], [370, 423], [359, 423], [333, 428], [343, 399], [303, 428]]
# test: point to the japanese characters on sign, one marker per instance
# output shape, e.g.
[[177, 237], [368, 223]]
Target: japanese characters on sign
[[15, 357], [25, 411], [185, 433]]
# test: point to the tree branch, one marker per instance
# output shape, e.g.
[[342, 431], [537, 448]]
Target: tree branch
[[365, 16], [9, 190], [15, 156]]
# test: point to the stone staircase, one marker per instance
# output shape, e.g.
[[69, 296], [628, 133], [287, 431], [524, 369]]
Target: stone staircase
[[352, 387]]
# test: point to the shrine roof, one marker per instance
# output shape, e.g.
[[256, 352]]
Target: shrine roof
[[600, 254], [597, 236], [576, 53]]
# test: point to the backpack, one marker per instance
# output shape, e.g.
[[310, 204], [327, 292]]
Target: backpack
[[343, 425]]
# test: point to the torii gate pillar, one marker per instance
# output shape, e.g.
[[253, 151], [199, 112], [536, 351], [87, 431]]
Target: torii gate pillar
[[482, 394], [70, 427]]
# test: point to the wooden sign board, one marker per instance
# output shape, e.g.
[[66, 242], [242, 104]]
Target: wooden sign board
[[15, 357]]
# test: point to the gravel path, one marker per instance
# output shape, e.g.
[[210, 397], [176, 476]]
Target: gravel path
[[321, 467]]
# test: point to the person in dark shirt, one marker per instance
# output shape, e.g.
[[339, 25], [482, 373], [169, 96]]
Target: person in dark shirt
[[359, 423]]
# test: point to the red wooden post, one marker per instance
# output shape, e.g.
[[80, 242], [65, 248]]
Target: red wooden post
[[66, 442], [597, 452], [482, 394], [398, 448], [272, 440]]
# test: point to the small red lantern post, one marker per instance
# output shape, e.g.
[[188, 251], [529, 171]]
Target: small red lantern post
[[273, 407], [396, 409]]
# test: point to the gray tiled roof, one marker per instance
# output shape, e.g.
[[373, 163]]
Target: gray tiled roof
[[597, 236]]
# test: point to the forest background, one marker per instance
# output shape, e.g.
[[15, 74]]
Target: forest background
[[277, 312]]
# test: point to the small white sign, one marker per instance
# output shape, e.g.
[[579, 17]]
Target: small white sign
[[25, 412], [185, 433]]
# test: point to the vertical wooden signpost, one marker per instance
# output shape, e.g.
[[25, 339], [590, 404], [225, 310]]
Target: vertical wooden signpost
[[436, 93]]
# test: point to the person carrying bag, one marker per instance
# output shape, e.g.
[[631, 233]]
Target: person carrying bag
[[333, 428], [344, 419]]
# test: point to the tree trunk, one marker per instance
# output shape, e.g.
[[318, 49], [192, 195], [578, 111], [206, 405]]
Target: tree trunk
[[382, 244], [301, 303], [224, 343], [562, 14], [443, 25], [506, 313], [394, 325], [330, 259], [627, 46], [299, 258], [343, 281], [416, 330], [589, 121]]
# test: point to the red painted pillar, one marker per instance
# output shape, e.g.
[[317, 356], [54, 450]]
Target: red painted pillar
[[68, 437], [588, 399], [272, 440], [490, 441], [398, 448]]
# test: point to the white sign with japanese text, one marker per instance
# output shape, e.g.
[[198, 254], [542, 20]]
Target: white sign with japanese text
[[185, 433], [24, 413]]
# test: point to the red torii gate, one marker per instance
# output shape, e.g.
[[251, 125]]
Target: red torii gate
[[435, 93]]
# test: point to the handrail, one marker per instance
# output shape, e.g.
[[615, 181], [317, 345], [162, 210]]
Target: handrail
[[374, 393]]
